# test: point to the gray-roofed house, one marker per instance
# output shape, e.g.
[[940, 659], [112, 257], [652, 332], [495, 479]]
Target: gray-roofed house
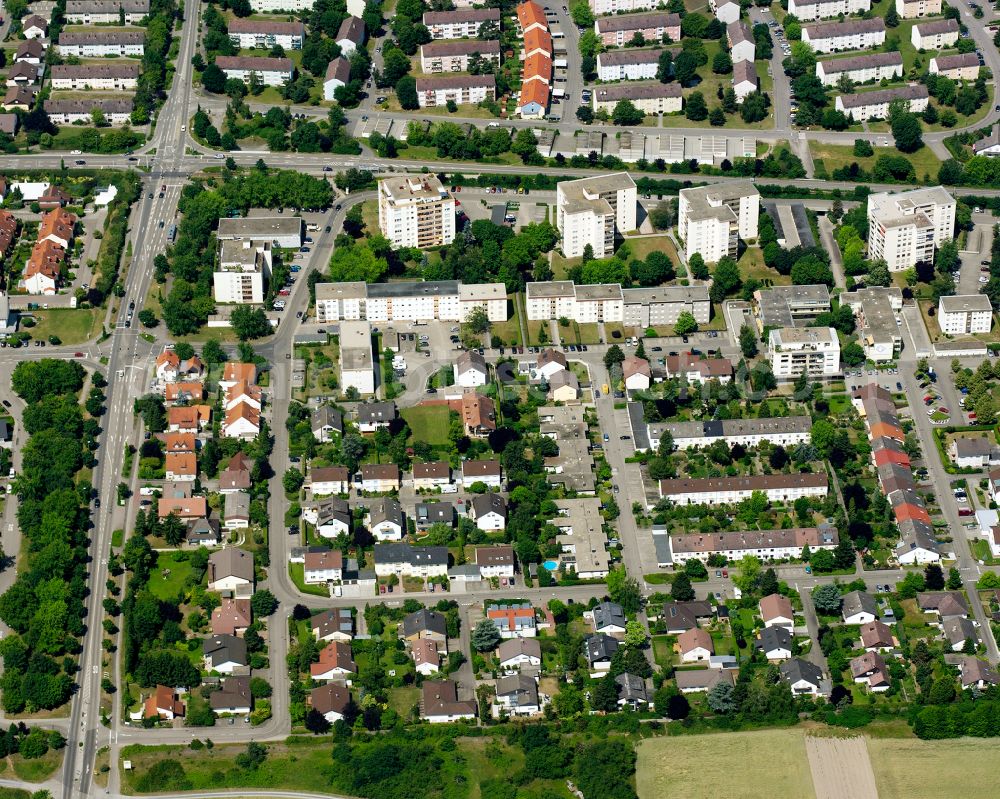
[[489, 511], [428, 513], [599, 650], [236, 510], [427, 624], [691, 681], [338, 74], [373, 415], [471, 370], [944, 604], [325, 422], [977, 674], [803, 677], [225, 654], [917, 544], [859, 607], [233, 697], [203, 532], [331, 516], [404, 560], [519, 654], [230, 571], [681, 616], [609, 618], [775, 643], [632, 691], [957, 631], [517, 695], [336, 624], [385, 519]]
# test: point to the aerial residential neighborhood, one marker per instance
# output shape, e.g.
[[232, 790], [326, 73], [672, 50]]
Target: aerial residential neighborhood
[[512, 402]]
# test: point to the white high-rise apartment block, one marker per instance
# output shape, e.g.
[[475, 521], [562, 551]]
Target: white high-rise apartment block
[[417, 301], [711, 219], [964, 314], [813, 350], [416, 211], [808, 10], [905, 228], [590, 209], [243, 267]]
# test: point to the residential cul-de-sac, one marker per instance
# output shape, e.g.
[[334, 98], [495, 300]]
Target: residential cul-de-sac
[[473, 398]]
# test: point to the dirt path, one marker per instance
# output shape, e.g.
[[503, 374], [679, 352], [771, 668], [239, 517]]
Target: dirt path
[[841, 768]]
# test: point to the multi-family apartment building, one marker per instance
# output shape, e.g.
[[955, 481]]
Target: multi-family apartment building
[[711, 219], [653, 26], [875, 105], [581, 537], [809, 10], [590, 211], [633, 63], [964, 314], [742, 46], [649, 96], [416, 211], [351, 35], [861, 68], [243, 267], [600, 7], [814, 351], [611, 303], [875, 309], [273, 6], [725, 11], [790, 306], [438, 300], [963, 66], [762, 544], [462, 23], [911, 9], [730, 490], [249, 34], [745, 80], [852, 34], [357, 365], [105, 12], [780, 431], [111, 76], [905, 228], [454, 56], [934, 35], [98, 44], [662, 305], [280, 231], [461, 89], [116, 110], [269, 71]]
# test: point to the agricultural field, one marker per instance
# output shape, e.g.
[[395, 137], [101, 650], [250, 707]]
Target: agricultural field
[[964, 768]]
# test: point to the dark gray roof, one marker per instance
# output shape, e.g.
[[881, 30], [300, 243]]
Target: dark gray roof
[[225, 649], [600, 648], [386, 509], [377, 411], [798, 669], [829, 30], [859, 602], [607, 614], [521, 687], [424, 621], [114, 69], [631, 687], [113, 105], [434, 512], [869, 61], [772, 638], [883, 96], [102, 37], [485, 503], [630, 56], [937, 26], [685, 615], [333, 620], [404, 553], [636, 90], [325, 416], [634, 22]]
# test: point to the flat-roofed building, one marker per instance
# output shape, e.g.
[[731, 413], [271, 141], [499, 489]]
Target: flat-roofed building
[[814, 351], [852, 34], [934, 35], [808, 10], [632, 63], [357, 366], [592, 210], [581, 537], [281, 231], [243, 267], [463, 23], [861, 68], [550, 299], [622, 28], [730, 490], [711, 219], [875, 105], [663, 305], [416, 211], [875, 310], [791, 306], [650, 96], [965, 314], [905, 228], [455, 56]]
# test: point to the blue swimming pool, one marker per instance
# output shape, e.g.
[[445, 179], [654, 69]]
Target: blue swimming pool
[[551, 565]]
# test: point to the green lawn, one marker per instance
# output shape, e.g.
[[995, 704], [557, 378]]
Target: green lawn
[[170, 575], [752, 265], [428, 423], [70, 325], [37, 769], [641, 247], [835, 156], [297, 573]]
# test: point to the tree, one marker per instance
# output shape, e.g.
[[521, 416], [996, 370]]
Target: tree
[[891, 17], [748, 342], [665, 67], [685, 324], [726, 279], [954, 579], [626, 114], [827, 598], [292, 480], [907, 133], [148, 318], [605, 695], [316, 722], [863, 148], [406, 92], [263, 603], [685, 68], [695, 108], [698, 267], [613, 357], [485, 636], [678, 707], [635, 634], [681, 589], [721, 698], [933, 577], [624, 590], [722, 64], [478, 320], [249, 323], [585, 114], [213, 79], [717, 117], [581, 14], [395, 65]]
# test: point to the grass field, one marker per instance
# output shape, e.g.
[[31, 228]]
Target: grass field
[[37, 769], [710, 766], [428, 423], [169, 577], [752, 265], [956, 769], [297, 573], [71, 325], [835, 156], [641, 247]]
